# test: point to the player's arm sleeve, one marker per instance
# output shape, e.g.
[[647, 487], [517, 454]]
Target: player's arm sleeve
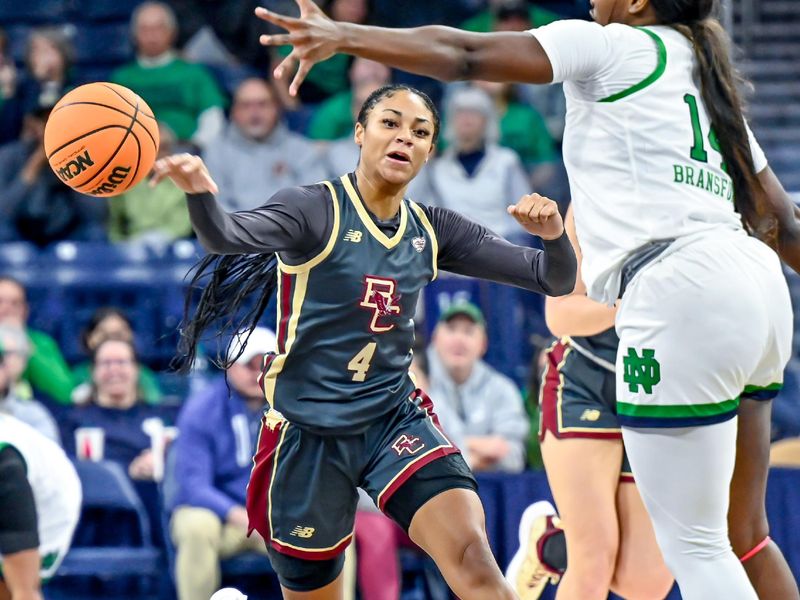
[[577, 50], [18, 527], [469, 249], [294, 219]]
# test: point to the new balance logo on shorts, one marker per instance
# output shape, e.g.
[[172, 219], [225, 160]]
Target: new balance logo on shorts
[[590, 414], [404, 443], [353, 235], [644, 370], [303, 532]]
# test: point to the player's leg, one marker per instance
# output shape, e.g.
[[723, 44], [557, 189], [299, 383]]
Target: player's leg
[[583, 476], [303, 579], [747, 519], [21, 575], [640, 572], [450, 528], [686, 496]]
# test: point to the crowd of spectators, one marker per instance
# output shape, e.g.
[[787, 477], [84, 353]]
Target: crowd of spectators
[[199, 66]]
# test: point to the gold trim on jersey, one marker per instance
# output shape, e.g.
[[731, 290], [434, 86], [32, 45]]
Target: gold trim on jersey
[[326, 251], [426, 224], [300, 287], [388, 242], [272, 478]]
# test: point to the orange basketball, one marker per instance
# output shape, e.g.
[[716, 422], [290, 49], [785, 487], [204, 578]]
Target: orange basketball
[[101, 139]]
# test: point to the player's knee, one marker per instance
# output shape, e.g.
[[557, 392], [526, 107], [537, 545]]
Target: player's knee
[[746, 534], [592, 559], [194, 527], [695, 543], [642, 583], [476, 563]]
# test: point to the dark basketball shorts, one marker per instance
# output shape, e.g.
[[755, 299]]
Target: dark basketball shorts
[[578, 399], [302, 494]]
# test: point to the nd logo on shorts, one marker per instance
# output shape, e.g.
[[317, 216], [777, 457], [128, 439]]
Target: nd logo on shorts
[[410, 444], [644, 370]]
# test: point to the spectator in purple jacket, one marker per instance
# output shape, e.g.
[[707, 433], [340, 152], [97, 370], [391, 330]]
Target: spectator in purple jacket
[[212, 460]]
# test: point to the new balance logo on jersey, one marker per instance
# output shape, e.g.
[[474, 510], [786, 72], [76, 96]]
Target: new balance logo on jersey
[[379, 297], [353, 235], [644, 370], [590, 414], [303, 532], [411, 445]]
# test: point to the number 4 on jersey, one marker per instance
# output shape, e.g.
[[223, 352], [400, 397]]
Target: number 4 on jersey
[[698, 150], [361, 362]]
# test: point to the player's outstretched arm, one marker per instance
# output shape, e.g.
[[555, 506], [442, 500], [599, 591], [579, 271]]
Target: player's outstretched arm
[[780, 214], [440, 52]]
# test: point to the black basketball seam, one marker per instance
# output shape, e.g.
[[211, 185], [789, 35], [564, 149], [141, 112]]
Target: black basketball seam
[[110, 158], [138, 160], [126, 101], [80, 137], [152, 139]]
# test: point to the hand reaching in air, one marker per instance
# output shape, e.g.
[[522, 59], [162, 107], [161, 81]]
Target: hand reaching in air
[[313, 37], [187, 171], [539, 216]]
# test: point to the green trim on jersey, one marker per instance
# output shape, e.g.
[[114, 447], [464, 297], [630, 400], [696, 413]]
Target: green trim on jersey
[[772, 387], [678, 411], [661, 66]]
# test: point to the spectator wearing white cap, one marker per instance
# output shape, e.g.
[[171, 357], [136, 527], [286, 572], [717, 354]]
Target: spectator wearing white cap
[[475, 176], [207, 482]]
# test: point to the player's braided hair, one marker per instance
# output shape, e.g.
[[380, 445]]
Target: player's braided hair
[[389, 90], [229, 283], [719, 85]]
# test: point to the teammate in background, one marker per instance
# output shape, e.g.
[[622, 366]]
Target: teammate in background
[[610, 543], [353, 256], [40, 501], [667, 180]]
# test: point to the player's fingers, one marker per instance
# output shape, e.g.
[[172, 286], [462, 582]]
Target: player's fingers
[[210, 183], [275, 18], [287, 65], [306, 7], [305, 67], [279, 39]]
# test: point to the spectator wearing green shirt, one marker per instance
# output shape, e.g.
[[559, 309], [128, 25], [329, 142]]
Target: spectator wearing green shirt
[[47, 371], [334, 118], [110, 323], [147, 214], [183, 95]]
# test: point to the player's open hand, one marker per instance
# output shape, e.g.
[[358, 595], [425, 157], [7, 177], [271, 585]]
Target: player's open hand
[[313, 37], [189, 173], [539, 216]]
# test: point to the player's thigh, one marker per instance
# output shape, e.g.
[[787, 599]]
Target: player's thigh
[[640, 570], [583, 475]]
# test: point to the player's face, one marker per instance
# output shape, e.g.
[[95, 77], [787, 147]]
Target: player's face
[[460, 342], [13, 308], [115, 371], [398, 138]]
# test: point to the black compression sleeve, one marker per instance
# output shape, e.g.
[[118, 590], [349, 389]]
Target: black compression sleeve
[[470, 249], [18, 525], [297, 220]]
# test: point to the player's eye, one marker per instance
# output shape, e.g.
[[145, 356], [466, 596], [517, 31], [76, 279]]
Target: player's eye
[[422, 132], [390, 123]]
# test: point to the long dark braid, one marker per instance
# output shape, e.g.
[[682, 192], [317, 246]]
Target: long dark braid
[[719, 85], [229, 283]]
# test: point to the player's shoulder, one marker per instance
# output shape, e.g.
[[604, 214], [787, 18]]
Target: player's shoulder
[[311, 194]]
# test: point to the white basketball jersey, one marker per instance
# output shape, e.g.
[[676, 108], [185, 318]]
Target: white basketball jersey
[[55, 484], [642, 161]]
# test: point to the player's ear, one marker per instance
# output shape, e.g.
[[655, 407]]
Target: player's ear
[[358, 134], [638, 6]]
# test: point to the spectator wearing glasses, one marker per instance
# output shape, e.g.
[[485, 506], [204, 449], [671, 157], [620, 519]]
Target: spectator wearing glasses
[[212, 456]]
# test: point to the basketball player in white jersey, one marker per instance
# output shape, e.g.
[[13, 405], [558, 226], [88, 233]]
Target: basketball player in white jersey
[[666, 180], [40, 501]]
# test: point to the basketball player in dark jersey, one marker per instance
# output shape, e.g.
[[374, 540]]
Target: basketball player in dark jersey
[[352, 257]]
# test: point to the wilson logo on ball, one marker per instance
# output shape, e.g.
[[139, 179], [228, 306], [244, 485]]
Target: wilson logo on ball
[[117, 176], [75, 167]]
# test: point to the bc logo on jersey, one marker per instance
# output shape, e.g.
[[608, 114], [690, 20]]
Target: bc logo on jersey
[[404, 443], [379, 297]]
